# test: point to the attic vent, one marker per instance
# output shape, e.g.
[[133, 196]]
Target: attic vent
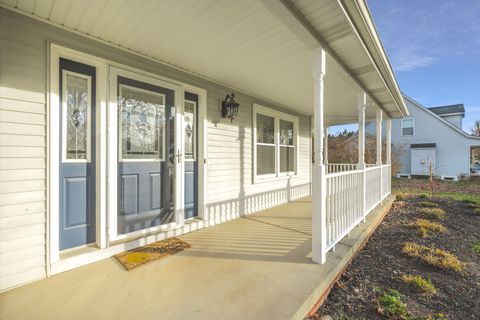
[[403, 176], [449, 178]]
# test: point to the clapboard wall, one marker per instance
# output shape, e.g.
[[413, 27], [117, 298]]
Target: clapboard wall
[[23, 144]]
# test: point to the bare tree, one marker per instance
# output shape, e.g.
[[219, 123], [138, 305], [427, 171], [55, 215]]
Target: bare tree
[[476, 128]]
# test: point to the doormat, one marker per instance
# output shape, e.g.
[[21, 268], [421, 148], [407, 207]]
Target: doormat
[[139, 256]]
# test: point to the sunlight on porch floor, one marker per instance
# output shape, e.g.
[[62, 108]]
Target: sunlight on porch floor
[[258, 267]]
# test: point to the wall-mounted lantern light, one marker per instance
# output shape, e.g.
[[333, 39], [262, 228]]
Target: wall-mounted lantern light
[[230, 107]]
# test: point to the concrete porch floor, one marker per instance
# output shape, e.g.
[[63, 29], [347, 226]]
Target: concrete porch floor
[[258, 267]]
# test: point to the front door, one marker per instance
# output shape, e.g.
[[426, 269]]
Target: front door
[[146, 155], [77, 156]]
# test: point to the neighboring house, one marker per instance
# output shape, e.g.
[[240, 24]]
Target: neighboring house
[[433, 137], [115, 128]]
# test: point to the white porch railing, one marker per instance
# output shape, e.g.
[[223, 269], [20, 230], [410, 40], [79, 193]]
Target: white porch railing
[[345, 196], [340, 167]]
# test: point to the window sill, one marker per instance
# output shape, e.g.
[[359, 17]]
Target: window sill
[[279, 178]]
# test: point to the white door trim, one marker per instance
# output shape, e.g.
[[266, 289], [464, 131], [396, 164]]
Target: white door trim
[[53, 234]]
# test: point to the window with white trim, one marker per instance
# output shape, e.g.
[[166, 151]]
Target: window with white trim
[[275, 143], [408, 127]]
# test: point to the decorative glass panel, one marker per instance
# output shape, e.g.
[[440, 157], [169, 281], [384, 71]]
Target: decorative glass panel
[[141, 124], [190, 130], [286, 133], [265, 129], [76, 116], [265, 159], [287, 159]]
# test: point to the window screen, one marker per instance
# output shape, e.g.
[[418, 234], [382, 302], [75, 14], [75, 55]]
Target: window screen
[[265, 145]]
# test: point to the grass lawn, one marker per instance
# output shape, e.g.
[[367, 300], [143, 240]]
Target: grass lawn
[[460, 190], [422, 262]]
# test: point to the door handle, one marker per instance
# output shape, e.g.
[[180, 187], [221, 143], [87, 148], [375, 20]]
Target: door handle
[[178, 156]]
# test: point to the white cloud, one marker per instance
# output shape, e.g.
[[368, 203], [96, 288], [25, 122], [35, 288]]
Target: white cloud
[[418, 34]]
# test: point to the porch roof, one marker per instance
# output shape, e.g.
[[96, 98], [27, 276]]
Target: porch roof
[[260, 47]]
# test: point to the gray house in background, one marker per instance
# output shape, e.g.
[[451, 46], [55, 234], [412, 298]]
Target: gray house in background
[[434, 136]]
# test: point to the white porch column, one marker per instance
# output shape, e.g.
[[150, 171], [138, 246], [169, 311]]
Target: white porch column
[[361, 106], [388, 128], [325, 146], [379, 150], [379, 136], [319, 239]]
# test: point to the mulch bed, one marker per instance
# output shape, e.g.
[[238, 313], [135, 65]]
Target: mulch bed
[[381, 264]]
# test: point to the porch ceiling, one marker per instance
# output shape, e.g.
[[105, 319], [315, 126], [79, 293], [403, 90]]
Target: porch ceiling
[[244, 45]]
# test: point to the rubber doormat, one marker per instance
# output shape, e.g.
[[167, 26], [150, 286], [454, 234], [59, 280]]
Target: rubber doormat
[[139, 256]]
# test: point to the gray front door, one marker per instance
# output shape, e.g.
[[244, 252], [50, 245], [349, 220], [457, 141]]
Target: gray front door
[[77, 156], [146, 160]]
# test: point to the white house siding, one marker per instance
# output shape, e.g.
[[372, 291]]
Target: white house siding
[[22, 155], [452, 147], [456, 120], [23, 215], [231, 190]]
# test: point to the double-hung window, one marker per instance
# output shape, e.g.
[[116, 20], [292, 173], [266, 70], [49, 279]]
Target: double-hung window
[[275, 143], [408, 127]]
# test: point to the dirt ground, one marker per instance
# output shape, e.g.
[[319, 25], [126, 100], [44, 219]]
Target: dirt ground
[[381, 264], [466, 187]]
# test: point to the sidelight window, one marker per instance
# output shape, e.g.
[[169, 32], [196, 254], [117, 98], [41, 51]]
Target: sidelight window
[[76, 116]]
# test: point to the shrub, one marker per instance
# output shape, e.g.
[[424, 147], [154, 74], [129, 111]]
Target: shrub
[[435, 257], [471, 201], [422, 232], [433, 213], [424, 226], [429, 225], [423, 196], [419, 283], [476, 247], [392, 306], [427, 204], [400, 197]]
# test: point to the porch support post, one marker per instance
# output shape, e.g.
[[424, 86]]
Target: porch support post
[[325, 146], [379, 137], [361, 106], [388, 128], [379, 150], [319, 239]]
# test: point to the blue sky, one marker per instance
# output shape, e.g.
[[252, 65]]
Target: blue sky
[[434, 49]]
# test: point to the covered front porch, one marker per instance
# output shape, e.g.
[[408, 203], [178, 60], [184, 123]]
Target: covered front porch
[[257, 267], [304, 65]]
